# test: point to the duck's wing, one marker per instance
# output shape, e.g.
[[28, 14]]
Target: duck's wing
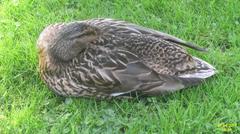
[[120, 72], [128, 28]]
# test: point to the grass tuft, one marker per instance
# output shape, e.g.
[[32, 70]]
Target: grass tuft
[[27, 106]]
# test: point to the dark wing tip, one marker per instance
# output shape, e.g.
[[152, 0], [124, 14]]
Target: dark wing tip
[[194, 46]]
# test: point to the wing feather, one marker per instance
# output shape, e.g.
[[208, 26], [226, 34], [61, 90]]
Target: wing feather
[[128, 74], [112, 25]]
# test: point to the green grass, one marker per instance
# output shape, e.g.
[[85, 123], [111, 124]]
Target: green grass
[[27, 106]]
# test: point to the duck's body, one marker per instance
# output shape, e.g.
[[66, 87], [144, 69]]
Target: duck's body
[[106, 58]]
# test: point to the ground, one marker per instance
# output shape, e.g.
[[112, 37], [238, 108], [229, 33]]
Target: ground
[[28, 106]]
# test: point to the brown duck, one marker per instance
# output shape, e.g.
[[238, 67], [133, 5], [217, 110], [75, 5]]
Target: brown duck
[[106, 58]]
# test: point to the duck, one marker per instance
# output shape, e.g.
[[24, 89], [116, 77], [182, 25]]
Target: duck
[[109, 58]]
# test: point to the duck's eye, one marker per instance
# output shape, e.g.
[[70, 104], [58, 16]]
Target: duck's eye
[[86, 33], [82, 34]]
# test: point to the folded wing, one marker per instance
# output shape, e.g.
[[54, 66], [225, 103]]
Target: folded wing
[[120, 72]]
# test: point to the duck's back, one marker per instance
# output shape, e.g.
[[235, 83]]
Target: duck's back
[[162, 52], [160, 55]]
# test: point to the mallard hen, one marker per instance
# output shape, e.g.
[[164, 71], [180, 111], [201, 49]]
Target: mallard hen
[[106, 58]]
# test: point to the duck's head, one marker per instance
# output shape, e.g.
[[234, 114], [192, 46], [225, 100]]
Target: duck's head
[[64, 41]]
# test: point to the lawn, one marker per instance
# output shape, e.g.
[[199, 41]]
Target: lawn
[[28, 106]]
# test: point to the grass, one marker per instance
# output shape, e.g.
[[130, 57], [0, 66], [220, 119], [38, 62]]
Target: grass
[[27, 106]]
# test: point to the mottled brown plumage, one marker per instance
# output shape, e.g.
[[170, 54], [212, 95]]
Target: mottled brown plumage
[[106, 58]]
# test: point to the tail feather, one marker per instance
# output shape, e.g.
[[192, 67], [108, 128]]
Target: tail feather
[[174, 83], [170, 84], [204, 70]]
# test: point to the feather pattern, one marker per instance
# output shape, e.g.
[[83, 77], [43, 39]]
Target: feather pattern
[[106, 58]]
